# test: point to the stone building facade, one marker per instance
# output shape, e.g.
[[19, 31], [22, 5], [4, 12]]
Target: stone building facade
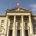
[[18, 21]]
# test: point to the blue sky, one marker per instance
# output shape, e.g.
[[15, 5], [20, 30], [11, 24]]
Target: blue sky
[[29, 4]]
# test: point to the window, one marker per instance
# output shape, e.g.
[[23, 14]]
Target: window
[[18, 24], [11, 24], [11, 20], [25, 24], [1, 26], [25, 19], [35, 32], [18, 32], [18, 19], [35, 26], [34, 21], [2, 21]]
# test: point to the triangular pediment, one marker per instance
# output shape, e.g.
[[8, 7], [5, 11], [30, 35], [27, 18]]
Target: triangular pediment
[[18, 9]]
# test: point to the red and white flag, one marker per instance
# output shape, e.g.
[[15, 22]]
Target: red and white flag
[[17, 4]]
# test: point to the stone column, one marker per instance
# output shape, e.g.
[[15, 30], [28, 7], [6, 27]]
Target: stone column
[[14, 26], [16, 32], [22, 26], [16, 29], [8, 32], [30, 24], [28, 31], [7, 27]]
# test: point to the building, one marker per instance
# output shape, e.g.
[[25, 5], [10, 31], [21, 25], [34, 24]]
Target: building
[[18, 21]]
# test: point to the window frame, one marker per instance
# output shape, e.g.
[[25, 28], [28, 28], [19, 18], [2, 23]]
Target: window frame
[[18, 25], [11, 24], [2, 21]]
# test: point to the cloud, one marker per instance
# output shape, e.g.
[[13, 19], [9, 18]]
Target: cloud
[[33, 6]]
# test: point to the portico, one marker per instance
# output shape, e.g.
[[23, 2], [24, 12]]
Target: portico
[[19, 22]]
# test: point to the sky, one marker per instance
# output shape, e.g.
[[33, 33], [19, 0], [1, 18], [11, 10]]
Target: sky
[[7, 4]]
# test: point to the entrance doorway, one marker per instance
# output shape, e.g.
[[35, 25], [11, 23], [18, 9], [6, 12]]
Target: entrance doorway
[[18, 32], [10, 32], [26, 32]]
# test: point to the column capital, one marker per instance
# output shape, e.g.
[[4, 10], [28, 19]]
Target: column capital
[[30, 16], [30, 19], [14, 15], [22, 18]]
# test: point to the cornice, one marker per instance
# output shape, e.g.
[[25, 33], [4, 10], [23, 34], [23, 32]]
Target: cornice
[[34, 15], [2, 15], [18, 11]]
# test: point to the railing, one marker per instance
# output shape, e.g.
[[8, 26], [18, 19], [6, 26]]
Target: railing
[[26, 27]]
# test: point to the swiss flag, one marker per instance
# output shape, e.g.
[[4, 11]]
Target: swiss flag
[[17, 4]]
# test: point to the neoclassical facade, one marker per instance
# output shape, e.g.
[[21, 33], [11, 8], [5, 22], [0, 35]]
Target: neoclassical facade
[[18, 21]]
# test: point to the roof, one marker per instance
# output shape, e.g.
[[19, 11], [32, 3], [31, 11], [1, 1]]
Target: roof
[[17, 9]]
